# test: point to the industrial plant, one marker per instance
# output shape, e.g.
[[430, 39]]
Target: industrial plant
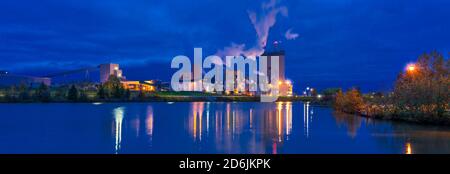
[[82, 78]]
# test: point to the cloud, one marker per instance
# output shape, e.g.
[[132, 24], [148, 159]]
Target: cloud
[[289, 35]]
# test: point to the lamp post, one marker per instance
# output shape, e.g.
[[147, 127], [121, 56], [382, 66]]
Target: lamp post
[[411, 68]]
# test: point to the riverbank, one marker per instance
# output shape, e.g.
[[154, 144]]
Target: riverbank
[[390, 113], [367, 112], [166, 98], [413, 117]]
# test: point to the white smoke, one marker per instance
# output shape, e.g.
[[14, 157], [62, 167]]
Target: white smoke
[[232, 50], [266, 19], [289, 35], [239, 50], [262, 22]]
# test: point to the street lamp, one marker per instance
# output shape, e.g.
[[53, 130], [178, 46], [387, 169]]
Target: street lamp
[[319, 96], [411, 67]]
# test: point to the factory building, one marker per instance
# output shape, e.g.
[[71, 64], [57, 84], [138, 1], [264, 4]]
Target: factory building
[[106, 70], [148, 86], [281, 68], [284, 85]]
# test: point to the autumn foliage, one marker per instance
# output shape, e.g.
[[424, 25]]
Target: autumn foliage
[[350, 102], [421, 94]]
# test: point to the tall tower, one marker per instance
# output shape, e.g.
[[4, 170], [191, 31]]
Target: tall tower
[[284, 85], [109, 69], [281, 68]]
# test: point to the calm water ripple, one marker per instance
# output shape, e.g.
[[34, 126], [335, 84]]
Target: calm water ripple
[[202, 127]]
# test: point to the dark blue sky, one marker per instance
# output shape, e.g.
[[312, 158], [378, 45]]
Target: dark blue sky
[[341, 43]]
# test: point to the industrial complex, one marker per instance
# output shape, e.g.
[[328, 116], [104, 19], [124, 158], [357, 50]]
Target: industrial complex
[[111, 69]]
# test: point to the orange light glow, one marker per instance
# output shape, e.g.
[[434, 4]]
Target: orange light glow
[[408, 148], [411, 67], [288, 82]]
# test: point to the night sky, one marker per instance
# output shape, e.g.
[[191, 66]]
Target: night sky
[[328, 43]]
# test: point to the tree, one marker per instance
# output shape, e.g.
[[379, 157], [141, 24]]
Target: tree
[[354, 102], [11, 94], [83, 95], [313, 92], [73, 93], [141, 95], [127, 94], [118, 91], [114, 87], [339, 101], [24, 92], [330, 92], [424, 90], [101, 93], [350, 102], [60, 93], [43, 93]]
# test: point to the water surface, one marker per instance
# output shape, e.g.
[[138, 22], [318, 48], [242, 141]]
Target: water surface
[[202, 127]]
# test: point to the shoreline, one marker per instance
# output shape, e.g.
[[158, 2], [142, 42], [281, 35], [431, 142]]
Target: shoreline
[[228, 99], [399, 119], [170, 99]]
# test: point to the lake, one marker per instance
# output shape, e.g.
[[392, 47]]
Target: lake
[[211, 128]]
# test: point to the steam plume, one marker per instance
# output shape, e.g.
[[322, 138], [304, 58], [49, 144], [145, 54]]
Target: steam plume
[[262, 21], [266, 19]]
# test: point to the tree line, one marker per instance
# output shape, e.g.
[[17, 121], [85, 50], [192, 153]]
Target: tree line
[[110, 90], [420, 93]]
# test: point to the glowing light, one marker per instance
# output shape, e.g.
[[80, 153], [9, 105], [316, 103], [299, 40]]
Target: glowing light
[[196, 117], [279, 82], [288, 82], [408, 148], [411, 67], [279, 126], [288, 118], [149, 121], [306, 120], [118, 118]]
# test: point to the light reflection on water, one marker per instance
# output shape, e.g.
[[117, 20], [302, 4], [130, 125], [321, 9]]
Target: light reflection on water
[[408, 148], [207, 127], [118, 118], [268, 128], [231, 122], [149, 124]]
